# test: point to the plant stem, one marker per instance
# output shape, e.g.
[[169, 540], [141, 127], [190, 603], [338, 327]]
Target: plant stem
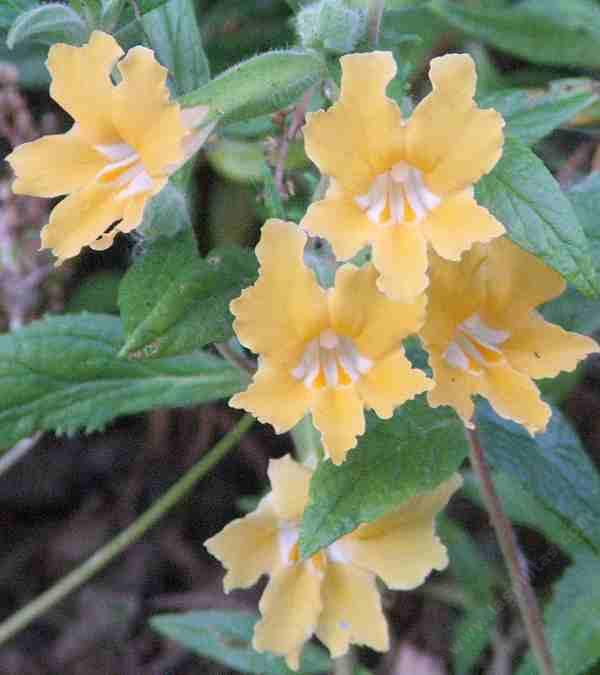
[[122, 541], [374, 21], [17, 452], [522, 589]]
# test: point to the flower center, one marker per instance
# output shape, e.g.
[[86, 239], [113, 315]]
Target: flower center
[[330, 360], [475, 346], [289, 550], [124, 170], [398, 196]]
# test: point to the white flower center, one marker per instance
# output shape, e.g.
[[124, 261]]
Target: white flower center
[[398, 196], [289, 551], [125, 170], [331, 359], [475, 346]]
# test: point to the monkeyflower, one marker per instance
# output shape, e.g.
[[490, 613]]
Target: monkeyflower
[[125, 142], [400, 184], [332, 352], [484, 335], [332, 594]]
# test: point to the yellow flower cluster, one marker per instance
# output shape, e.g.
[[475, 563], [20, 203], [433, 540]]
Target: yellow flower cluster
[[125, 142], [440, 270]]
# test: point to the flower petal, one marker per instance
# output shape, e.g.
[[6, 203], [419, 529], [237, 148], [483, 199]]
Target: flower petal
[[400, 255], [286, 307], [457, 223], [352, 612], [517, 280], [248, 547], [338, 414], [449, 138], [275, 396], [402, 547], [514, 396], [359, 310], [542, 349], [361, 135], [54, 165], [339, 220], [290, 607], [391, 382], [143, 114], [289, 487], [453, 387], [81, 84], [80, 219]]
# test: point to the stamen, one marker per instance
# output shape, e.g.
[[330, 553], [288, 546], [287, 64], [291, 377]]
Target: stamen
[[475, 346], [331, 359], [124, 170], [388, 197]]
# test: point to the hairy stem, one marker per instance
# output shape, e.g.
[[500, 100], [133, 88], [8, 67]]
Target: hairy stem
[[121, 542], [374, 21], [522, 589]]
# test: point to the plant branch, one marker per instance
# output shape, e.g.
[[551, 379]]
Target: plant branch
[[17, 452], [374, 21], [122, 541], [522, 589]]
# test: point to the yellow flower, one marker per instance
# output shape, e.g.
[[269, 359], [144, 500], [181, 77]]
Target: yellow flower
[[125, 142], [333, 352], [484, 335], [399, 184], [334, 593]]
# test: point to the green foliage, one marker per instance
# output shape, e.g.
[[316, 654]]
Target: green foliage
[[167, 214], [572, 620], [471, 637], [97, 294], [10, 10], [226, 637], [555, 32], [174, 35], [395, 459], [173, 301], [552, 466], [261, 85], [529, 119], [48, 24], [63, 374], [524, 196], [332, 26]]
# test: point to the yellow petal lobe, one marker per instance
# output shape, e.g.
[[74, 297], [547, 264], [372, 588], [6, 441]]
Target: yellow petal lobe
[[361, 135], [391, 382], [457, 223], [453, 387], [290, 608], [290, 482], [402, 547], [339, 415], [448, 137], [143, 114], [286, 306], [352, 612], [257, 532], [400, 255], [81, 84], [542, 349], [275, 397], [54, 165]]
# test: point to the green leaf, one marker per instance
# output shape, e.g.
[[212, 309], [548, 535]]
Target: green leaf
[[167, 214], [226, 637], [585, 197], [396, 459], [526, 508], [529, 119], [527, 200], [174, 35], [10, 10], [471, 636], [572, 620], [553, 466], [48, 24], [29, 60], [307, 441], [238, 160], [63, 374], [173, 301], [559, 32], [259, 86], [97, 293]]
